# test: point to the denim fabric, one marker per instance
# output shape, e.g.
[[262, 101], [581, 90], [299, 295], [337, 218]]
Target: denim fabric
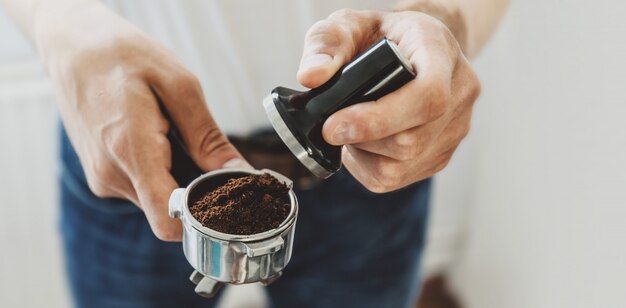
[[353, 248]]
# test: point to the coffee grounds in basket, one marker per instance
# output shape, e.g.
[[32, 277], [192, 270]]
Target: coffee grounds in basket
[[243, 206]]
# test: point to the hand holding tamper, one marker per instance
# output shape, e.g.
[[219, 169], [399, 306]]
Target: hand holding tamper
[[298, 117]]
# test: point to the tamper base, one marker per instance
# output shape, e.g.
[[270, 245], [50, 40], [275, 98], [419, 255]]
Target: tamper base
[[291, 141]]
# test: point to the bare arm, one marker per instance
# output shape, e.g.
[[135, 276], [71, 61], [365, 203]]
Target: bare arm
[[39, 20], [471, 21], [107, 75], [22, 13]]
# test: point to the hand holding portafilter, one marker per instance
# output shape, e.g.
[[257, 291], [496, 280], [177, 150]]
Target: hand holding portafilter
[[298, 117]]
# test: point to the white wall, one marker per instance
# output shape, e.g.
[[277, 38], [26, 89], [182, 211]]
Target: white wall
[[30, 258], [541, 182]]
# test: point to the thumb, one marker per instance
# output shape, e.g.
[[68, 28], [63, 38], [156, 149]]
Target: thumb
[[207, 145], [326, 49], [331, 43]]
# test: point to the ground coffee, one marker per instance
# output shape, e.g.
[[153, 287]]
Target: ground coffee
[[243, 206]]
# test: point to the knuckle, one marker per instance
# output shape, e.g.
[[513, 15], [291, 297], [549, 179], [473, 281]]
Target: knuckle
[[387, 177], [212, 140], [100, 177], [164, 231], [185, 81], [326, 36], [463, 131], [448, 37], [406, 145], [119, 146], [443, 164], [367, 123], [324, 27], [373, 184], [359, 131], [408, 152], [475, 87], [345, 13], [438, 101], [375, 187], [97, 189], [471, 87]]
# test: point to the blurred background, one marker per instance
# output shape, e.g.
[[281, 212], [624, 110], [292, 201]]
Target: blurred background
[[531, 212]]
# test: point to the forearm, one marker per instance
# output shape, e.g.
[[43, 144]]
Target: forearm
[[471, 21], [59, 29], [33, 15]]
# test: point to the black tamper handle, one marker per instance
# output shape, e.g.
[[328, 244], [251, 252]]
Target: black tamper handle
[[378, 71]]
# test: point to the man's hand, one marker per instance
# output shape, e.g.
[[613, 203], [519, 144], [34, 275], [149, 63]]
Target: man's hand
[[410, 134], [108, 75]]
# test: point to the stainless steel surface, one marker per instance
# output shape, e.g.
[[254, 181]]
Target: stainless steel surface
[[205, 286], [230, 258], [268, 281], [290, 140]]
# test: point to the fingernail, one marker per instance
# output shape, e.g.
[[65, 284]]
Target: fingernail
[[237, 163], [315, 61], [343, 133]]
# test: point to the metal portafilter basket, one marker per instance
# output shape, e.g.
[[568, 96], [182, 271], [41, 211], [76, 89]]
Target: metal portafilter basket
[[219, 258], [298, 117]]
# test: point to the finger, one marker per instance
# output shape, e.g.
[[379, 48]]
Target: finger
[[142, 153], [377, 173], [105, 180], [453, 134], [332, 42], [403, 146], [112, 180], [410, 144], [422, 100], [123, 188], [154, 184], [153, 196], [183, 99], [382, 174], [465, 84], [442, 160]]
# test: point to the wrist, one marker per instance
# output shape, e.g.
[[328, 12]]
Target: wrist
[[61, 33], [448, 12]]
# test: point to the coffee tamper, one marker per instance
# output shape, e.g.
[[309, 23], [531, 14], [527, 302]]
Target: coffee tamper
[[298, 117]]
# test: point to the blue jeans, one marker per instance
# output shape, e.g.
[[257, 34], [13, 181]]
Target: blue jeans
[[352, 248]]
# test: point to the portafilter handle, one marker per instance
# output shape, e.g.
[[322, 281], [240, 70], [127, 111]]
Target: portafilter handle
[[298, 117]]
